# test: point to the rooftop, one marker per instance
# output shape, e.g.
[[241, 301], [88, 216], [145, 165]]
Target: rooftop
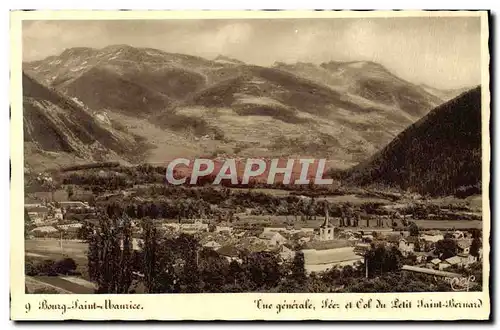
[[430, 271], [315, 257]]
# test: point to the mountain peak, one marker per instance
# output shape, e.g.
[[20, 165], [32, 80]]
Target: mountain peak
[[227, 59], [77, 51]]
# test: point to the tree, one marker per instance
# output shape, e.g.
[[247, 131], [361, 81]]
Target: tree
[[70, 191], [65, 266], [381, 260], [414, 230], [298, 272], [475, 246], [213, 271], [446, 248], [262, 269], [28, 223], [110, 253]]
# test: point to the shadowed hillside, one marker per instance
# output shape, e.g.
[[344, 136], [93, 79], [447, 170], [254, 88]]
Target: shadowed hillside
[[103, 89], [56, 124], [438, 155]]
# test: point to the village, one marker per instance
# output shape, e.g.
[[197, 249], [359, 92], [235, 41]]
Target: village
[[325, 246]]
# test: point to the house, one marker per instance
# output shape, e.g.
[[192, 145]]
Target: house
[[304, 239], [212, 245], [30, 206], [45, 230], [229, 252], [429, 271], [323, 260], [421, 257], [467, 259], [432, 238], [58, 214], [274, 229], [197, 226], [453, 261], [464, 246], [434, 263], [286, 253], [74, 204], [223, 228], [407, 245], [362, 248], [273, 238], [70, 226], [367, 238], [393, 239]]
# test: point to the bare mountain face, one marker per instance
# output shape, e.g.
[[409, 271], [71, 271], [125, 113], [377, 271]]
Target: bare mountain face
[[438, 155], [371, 81], [342, 111], [58, 129], [445, 94]]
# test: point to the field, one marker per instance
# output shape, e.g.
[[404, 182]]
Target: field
[[423, 224], [51, 249], [62, 285]]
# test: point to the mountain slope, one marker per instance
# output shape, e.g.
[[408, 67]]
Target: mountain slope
[[344, 111], [438, 155], [371, 81], [54, 125], [444, 94], [102, 89]]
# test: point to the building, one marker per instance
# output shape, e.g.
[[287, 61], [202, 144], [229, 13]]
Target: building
[[323, 260], [230, 252], [70, 226], [429, 271], [434, 263], [467, 259], [212, 245], [428, 238], [407, 245], [273, 238], [453, 261], [327, 230], [74, 204], [58, 214], [362, 248], [44, 230], [37, 213], [286, 253], [188, 228], [464, 246], [223, 228]]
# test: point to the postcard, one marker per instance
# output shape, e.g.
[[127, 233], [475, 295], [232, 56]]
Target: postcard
[[250, 165]]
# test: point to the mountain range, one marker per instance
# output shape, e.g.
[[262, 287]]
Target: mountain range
[[183, 105]]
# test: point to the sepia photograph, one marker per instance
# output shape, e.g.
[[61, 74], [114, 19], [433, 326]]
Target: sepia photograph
[[319, 154]]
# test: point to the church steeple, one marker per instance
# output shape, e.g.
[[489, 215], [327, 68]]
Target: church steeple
[[326, 223], [326, 230]]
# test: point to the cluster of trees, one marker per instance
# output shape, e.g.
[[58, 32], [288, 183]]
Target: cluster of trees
[[182, 202], [49, 267], [97, 183]]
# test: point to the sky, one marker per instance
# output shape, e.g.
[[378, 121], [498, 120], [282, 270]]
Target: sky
[[442, 52]]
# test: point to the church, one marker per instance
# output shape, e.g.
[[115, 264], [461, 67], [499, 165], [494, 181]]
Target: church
[[326, 230]]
